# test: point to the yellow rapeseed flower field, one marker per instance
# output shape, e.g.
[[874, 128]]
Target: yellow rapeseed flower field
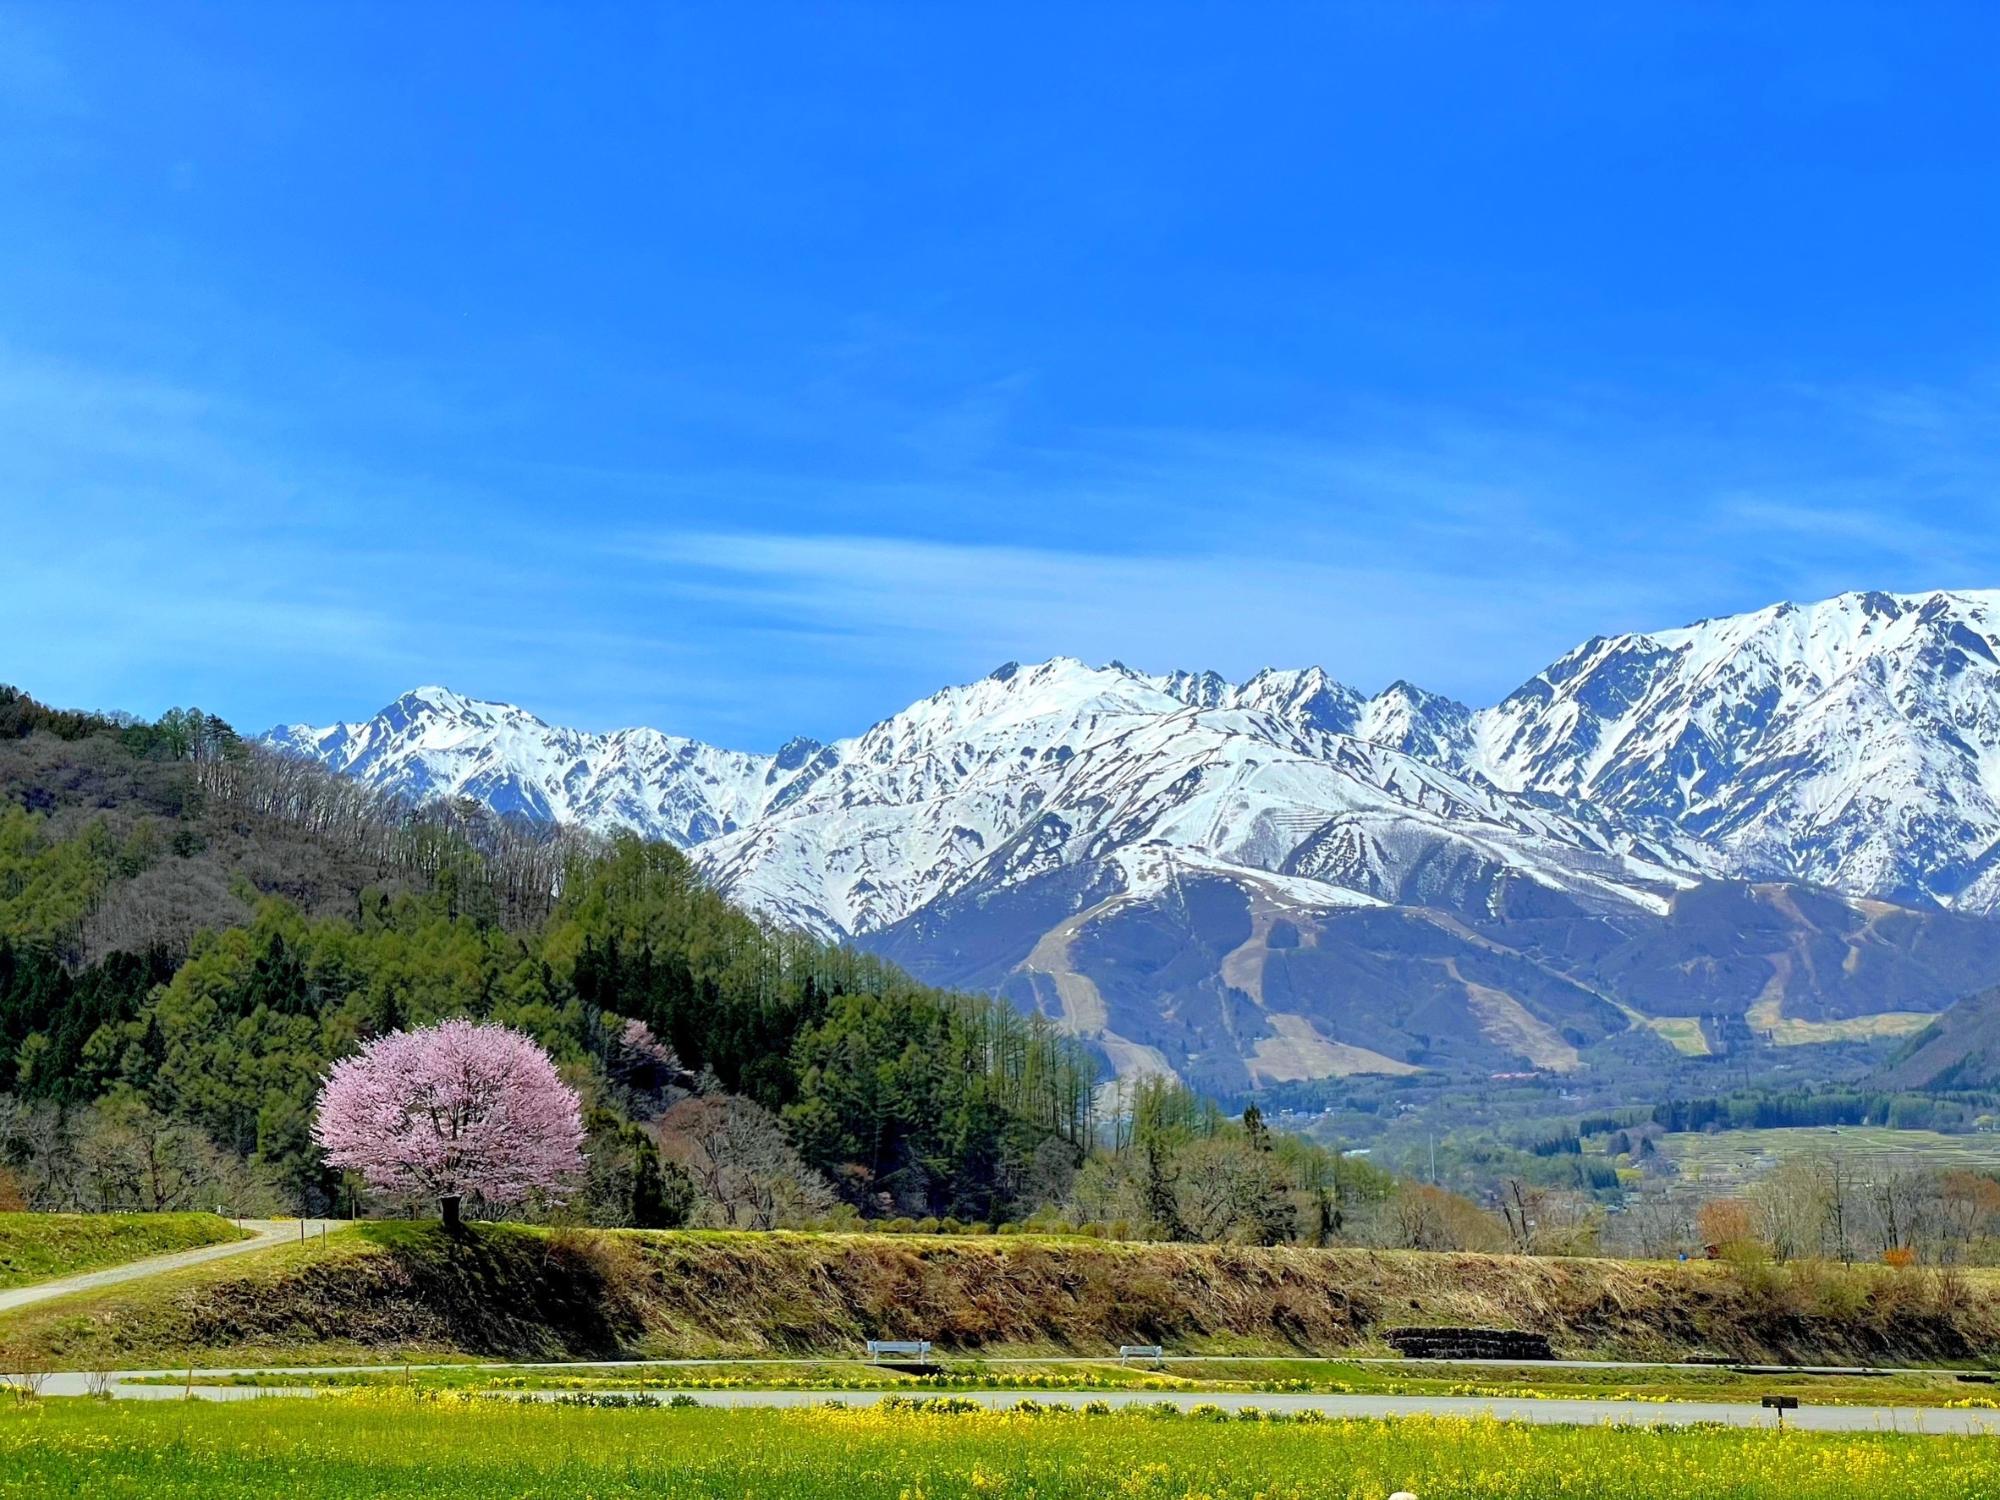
[[455, 1446]]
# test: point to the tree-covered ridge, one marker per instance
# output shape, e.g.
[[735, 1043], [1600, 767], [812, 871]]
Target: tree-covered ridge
[[908, 1099]]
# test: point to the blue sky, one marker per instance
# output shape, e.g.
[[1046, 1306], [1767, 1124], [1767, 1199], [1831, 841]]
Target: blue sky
[[756, 370]]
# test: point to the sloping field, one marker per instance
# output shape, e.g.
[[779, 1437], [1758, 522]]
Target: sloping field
[[396, 1291], [39, 1247]]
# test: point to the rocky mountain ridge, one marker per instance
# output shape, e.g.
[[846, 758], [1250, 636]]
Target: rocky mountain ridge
[[1073, 836]]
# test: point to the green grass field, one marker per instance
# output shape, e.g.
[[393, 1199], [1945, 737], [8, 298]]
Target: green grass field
[[447, 1449], [36, 1247]]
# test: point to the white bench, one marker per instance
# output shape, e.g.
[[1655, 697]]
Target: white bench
[[900, 1348]]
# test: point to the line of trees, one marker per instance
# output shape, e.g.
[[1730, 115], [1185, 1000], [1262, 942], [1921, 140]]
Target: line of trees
[[1832, 1206], [1762, 1110]]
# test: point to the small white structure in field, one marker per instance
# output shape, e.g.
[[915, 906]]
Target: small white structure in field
[[1402, 1495]]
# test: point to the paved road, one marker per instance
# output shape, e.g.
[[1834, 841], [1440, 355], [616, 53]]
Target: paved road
[[1585, 1412], [211, 1372], [266, 1234]]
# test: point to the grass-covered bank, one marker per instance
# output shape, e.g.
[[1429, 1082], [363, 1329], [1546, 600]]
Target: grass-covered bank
[[392, 1446], [1083, 1378], [394, 1291], [39, 1247]]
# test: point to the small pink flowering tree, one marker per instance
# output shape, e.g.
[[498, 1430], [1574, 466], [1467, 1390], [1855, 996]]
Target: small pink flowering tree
[[453, 1109]]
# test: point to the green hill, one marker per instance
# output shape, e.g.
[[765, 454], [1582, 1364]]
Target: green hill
[[40, 1247], [1959, 1050], [192, 930]]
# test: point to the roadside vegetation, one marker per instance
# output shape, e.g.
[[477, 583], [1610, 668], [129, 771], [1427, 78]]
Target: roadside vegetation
[[40, 1247], [1240, 1375], [389, 1292], [396, 1443]]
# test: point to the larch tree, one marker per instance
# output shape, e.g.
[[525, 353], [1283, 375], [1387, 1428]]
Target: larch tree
[[455, 1110]]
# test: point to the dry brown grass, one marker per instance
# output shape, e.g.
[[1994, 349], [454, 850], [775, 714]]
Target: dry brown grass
[[803, 1293], [406, 1291]]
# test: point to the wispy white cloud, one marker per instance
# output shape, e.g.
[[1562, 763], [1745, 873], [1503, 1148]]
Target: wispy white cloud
[[900, 601], [189, 543]]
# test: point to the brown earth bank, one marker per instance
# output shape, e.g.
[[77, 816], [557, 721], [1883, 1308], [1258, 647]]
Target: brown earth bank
[[395, 1291]]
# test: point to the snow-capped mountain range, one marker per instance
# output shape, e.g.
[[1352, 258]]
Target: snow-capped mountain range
[[1852, 744], [1289, 775]]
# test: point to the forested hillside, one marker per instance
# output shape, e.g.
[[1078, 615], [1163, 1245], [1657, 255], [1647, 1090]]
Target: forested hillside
[[191, 930]]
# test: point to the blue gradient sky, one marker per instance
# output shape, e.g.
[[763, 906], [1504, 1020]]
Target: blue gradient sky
[[756, 370]]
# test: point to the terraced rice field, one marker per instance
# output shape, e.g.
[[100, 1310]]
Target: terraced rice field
[[1728, 1159]]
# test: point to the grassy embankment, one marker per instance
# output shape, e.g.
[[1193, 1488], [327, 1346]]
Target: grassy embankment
[[398, 1291], [39, 1247], [388, 1445]]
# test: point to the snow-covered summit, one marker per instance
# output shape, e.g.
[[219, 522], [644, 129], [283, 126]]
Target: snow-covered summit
[[432, 742], [1284, 877], [1853, 743]]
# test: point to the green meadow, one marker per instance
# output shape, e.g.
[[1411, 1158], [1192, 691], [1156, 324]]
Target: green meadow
[[390, 1444]]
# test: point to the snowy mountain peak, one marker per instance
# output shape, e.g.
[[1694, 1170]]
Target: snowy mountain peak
[[433, 742], [1195, 689], [1853, 742]]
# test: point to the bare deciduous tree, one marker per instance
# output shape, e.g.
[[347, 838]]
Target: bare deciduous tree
[[745, 1169], [1423, 1217], [134, 1157], [1659, 1221]]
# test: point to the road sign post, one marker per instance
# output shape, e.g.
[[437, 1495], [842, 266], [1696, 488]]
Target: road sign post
[[1781, 1405]]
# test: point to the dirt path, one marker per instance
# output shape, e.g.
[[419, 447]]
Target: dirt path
[[266, 1234]]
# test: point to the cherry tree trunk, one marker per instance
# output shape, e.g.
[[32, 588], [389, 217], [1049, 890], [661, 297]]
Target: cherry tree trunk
[[448, 1207]]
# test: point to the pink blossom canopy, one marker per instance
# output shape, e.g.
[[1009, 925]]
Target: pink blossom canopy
[[453, 1110]]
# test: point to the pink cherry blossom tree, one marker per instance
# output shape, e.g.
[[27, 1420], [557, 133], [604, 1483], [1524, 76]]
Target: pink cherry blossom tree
[[452, 1110]]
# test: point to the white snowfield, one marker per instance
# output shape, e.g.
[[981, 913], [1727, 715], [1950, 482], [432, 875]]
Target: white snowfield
[[1853, 743]]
